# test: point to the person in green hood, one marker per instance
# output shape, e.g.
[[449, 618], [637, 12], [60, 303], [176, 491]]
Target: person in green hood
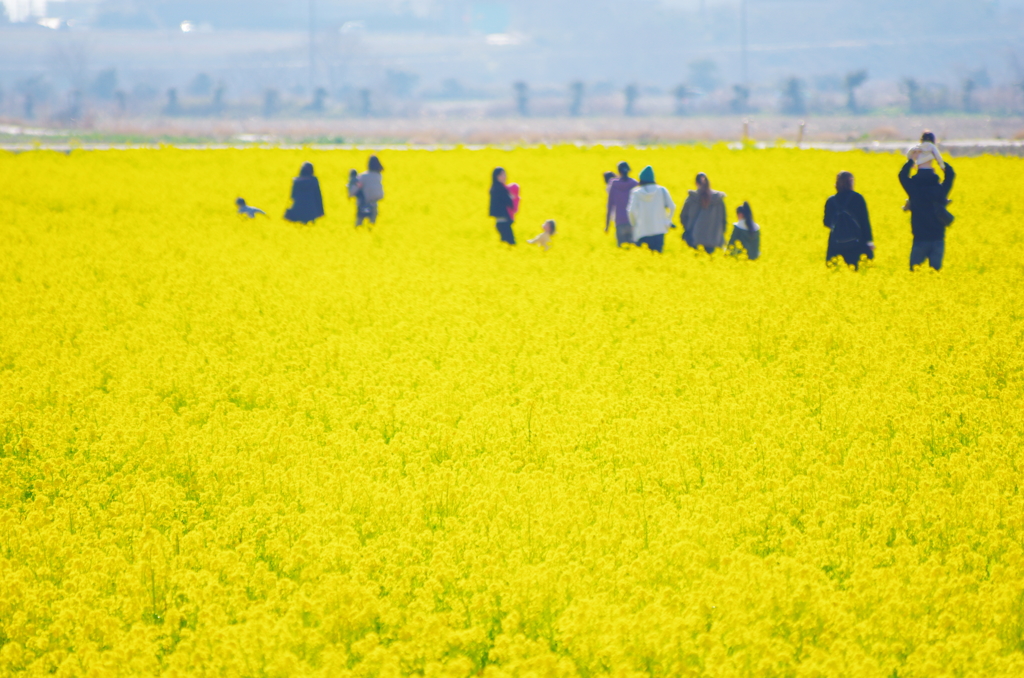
[[650, 212]]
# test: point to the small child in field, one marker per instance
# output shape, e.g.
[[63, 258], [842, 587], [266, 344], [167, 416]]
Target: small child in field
[[544, 239], [513, 190], [356, 191], [926, 153], [247, 211], [608, 178], [746, 235]]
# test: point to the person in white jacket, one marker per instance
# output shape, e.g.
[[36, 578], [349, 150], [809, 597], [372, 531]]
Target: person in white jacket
[[650, 212]]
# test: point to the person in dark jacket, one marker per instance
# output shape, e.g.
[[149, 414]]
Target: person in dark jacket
[[501, 203], [746, 234], [703, 216], [307, 203], [928, 200], [848, 202], [618, 203]]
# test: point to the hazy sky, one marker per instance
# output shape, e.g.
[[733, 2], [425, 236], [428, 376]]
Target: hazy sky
[[251, 44]]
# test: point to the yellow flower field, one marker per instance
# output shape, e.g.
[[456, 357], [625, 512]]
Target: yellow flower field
[[249, 448]]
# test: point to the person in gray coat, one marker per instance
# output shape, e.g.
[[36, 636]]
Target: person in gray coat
[[371, 190], [703, 217]]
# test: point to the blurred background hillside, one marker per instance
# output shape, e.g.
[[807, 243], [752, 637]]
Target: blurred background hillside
[[322, 67]]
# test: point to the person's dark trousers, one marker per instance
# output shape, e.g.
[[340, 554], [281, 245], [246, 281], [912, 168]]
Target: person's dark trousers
[[932, 250], [505, 231], [654, 242]]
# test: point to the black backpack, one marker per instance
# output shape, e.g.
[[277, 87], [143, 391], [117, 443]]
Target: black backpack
[[845, 228]]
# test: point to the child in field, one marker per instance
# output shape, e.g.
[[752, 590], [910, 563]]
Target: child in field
[[356, 191], [513, 191], [926, 153], [544, 239], [746, 235], [609, 177], [248, 211]]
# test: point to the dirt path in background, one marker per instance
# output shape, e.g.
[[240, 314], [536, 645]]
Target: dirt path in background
[[485, 130]]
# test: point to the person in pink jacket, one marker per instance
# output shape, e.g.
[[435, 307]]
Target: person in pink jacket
[[513, 191]]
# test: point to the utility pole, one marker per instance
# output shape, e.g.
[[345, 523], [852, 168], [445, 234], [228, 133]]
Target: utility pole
[[312, 49], [743, 37]]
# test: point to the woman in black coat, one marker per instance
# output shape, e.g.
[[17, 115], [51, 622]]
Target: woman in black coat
[[307, 203], [846, 217], [501, 203]]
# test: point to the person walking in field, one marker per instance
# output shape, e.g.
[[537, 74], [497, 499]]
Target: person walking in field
[[846, 218], [928, 199], [618, 205], [650, 212], [370, 192], [746, 235], [307, 202], [703, 216], [502, 206]]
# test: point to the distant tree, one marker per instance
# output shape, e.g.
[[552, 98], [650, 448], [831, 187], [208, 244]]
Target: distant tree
[[172, 107], [682, 94], [740, 99], [217, 104], [75, 105], [365, 103], [200, 86], [912, 90], [271, 103], [522, 98], [793, 102], [981, 78], [105, 84], [319, 99], [122, 101], [968, 94], [632, 93], [73, 113], [400, 83], [34, 90], [704, 75], [576, 98], [851, 82], [1018, 76]]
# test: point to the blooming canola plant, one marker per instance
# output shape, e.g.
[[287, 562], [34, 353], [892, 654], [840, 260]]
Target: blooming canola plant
[[241, 447]]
